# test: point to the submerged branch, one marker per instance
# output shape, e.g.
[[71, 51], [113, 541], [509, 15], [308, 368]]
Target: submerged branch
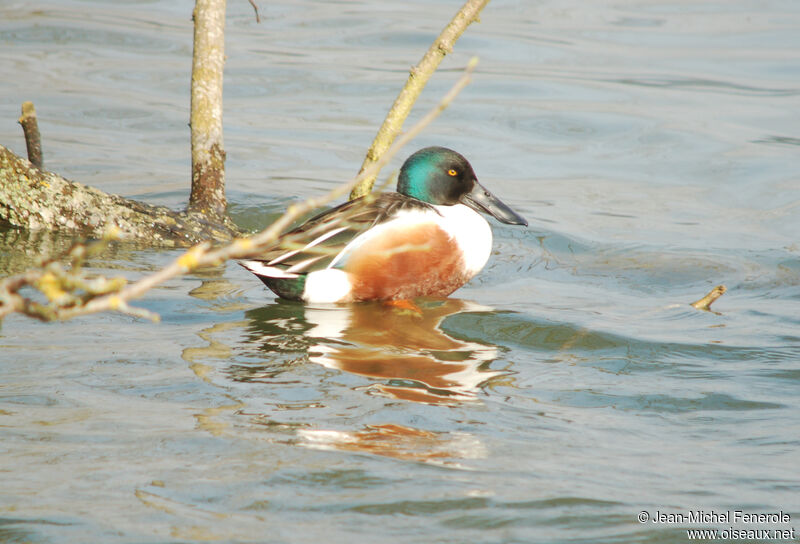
[[417, 79], [66, 290]]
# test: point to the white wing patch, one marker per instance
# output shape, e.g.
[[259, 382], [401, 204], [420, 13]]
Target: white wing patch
[[312, 243], [260, 269], [302, 265]]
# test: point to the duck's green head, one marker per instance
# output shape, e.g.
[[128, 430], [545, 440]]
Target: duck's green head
[[441, 176]]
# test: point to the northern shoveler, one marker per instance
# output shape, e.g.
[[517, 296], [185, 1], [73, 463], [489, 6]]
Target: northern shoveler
[[427, 239]]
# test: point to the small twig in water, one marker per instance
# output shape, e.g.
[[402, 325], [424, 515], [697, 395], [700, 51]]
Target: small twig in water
[[706, 302]]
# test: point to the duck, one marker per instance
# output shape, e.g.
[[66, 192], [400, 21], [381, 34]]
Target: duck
[[427, 239]]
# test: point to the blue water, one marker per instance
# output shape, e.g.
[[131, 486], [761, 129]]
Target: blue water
[[653, 147]]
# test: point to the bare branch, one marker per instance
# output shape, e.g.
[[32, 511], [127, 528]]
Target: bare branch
[[417, 79]]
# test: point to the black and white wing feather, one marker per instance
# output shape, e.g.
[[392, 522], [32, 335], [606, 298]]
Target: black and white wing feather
[[317, 242]]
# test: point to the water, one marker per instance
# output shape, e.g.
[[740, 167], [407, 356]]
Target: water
[[653, 146]]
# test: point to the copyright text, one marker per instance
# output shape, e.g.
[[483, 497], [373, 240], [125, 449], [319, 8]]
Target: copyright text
[[725, 518]]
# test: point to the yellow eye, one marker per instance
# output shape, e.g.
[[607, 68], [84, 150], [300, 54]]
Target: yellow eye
[[452, 172]]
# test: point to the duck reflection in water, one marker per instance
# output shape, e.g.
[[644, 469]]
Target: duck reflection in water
[[404, 347]]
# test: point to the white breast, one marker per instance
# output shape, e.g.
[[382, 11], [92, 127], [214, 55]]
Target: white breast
[[471, 231]]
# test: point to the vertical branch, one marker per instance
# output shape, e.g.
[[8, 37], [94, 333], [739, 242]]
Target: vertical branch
[[30, 127], [208, 154], [417, 79]]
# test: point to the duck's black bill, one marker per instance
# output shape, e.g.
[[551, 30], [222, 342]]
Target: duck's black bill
[[481, 200]]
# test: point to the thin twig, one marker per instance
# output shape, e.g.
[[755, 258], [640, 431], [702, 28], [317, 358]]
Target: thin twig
[[201, 255], [417, 79], [30, 127], [255, 8]]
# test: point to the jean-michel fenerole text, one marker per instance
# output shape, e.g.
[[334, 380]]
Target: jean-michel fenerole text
[[713, 517]]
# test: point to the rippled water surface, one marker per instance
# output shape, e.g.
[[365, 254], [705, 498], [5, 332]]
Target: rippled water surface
[[654, 148]]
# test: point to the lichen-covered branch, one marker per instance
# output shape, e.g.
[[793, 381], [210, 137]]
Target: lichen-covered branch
[[33, 141], [35, 199], [70, 293], [417, 79], [208, 154]]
